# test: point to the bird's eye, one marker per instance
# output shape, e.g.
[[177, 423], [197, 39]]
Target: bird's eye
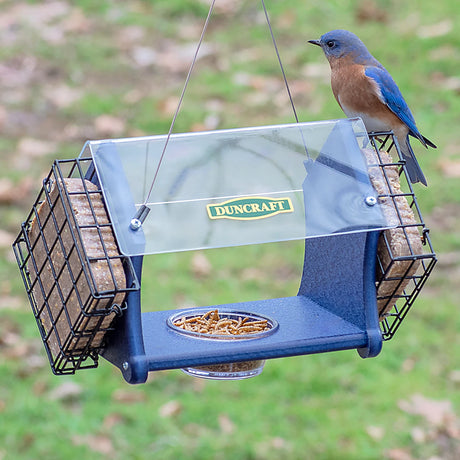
[[330, 44]]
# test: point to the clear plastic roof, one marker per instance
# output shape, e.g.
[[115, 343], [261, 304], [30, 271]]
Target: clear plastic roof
[[238, 186]]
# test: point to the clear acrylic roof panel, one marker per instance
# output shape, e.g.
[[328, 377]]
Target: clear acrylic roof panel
[[239, 186]]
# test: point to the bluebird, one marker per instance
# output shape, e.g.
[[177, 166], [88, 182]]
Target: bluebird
[[364, 88]]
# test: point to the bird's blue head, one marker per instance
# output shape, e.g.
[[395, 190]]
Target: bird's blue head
[[342, 43]]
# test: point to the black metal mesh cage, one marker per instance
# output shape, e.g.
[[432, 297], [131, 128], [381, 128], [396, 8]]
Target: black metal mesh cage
[[405, 255], [74, 275]]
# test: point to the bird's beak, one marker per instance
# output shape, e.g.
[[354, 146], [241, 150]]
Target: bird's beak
[[315, 42]]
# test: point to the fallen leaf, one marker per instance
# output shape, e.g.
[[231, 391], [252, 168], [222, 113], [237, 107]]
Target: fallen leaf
[[454, 376], [435, 412], [320, 71], [76, 21], [3, 116], [375, 432], [278, 443], [129, 396], [408, 365], [170, 409], [225, 424], [6, 239], [168, 106], [418, 435], [66, 391], [450, 168], [11, 193], [435, 30], [398, 454], [35, 147], [225, 6], [200, 265], [109, 125], [97, 443], [111, 420], [369, 10], [252, 274], [144, 56], [177, 58], [62, 95], [8, 302]]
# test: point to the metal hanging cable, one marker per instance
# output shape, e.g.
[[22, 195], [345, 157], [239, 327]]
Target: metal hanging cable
[[286, 84], [143, 211], [138, 219]]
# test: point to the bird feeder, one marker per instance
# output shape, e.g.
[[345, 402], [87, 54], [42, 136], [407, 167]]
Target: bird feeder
[[80, 250]]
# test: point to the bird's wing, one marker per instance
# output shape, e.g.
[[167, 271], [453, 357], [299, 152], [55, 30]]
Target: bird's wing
[[391, 96]]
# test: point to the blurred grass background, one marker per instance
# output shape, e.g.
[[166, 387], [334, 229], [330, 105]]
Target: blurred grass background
[[72, 71]]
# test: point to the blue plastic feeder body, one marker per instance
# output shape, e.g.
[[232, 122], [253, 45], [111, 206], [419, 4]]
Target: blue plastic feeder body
[[313, 185]]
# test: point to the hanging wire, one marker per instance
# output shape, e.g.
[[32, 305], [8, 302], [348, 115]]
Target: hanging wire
[[141, 214], [143, 211], [284, 74]]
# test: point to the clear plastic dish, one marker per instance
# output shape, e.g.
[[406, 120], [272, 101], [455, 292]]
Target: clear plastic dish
[[224, 371]]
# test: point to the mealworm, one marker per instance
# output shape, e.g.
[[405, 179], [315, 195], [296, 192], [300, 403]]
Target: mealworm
[[212, 323]]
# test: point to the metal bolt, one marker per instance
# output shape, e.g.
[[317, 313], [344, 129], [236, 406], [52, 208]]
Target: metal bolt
[[125, 365], [371, 200], [135, 224]]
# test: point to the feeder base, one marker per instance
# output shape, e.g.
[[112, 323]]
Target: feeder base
[[229, 371]]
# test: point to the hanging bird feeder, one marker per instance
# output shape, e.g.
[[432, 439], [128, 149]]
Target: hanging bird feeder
[[367, 250]]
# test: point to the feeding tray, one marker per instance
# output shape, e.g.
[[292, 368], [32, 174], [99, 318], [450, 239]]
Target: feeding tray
[[223, 325], [327, 183]]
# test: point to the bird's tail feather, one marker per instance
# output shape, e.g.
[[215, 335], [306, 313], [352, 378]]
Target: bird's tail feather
[[412, 166], [429, 143]]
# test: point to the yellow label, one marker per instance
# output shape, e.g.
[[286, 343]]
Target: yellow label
[[249, 208]]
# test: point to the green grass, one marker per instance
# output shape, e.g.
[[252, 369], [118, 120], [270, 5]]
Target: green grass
[[326, 407]]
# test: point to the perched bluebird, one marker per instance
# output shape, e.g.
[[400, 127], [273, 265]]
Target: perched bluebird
[[363, 88]]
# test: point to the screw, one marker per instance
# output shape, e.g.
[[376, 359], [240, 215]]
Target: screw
[[125, 365], [371, 200], [135, 224]]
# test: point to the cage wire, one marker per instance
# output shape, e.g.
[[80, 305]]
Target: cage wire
[[405, 286], [73, 273]]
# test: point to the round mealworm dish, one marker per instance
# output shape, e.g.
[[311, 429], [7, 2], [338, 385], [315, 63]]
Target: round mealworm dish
[[223, 325]]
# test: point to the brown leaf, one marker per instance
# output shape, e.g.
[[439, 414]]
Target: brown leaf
[[225, 424], [450, 168], [76, 21], [398, 454], [10, 193], [419, 435], [168, 106], [200, 265], [62, 95], [144, 56], [454, 376], [65, 391], [129, 396], [369, 10], [435, 30], [109, 125], [6, 238], [111, 420], [170, 409], [435, 412], [97, 443], [35, 147], [375, 432], [278, 443], [8, 302]]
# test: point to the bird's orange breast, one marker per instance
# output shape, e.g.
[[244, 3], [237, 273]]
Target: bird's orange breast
[[354, 90]]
